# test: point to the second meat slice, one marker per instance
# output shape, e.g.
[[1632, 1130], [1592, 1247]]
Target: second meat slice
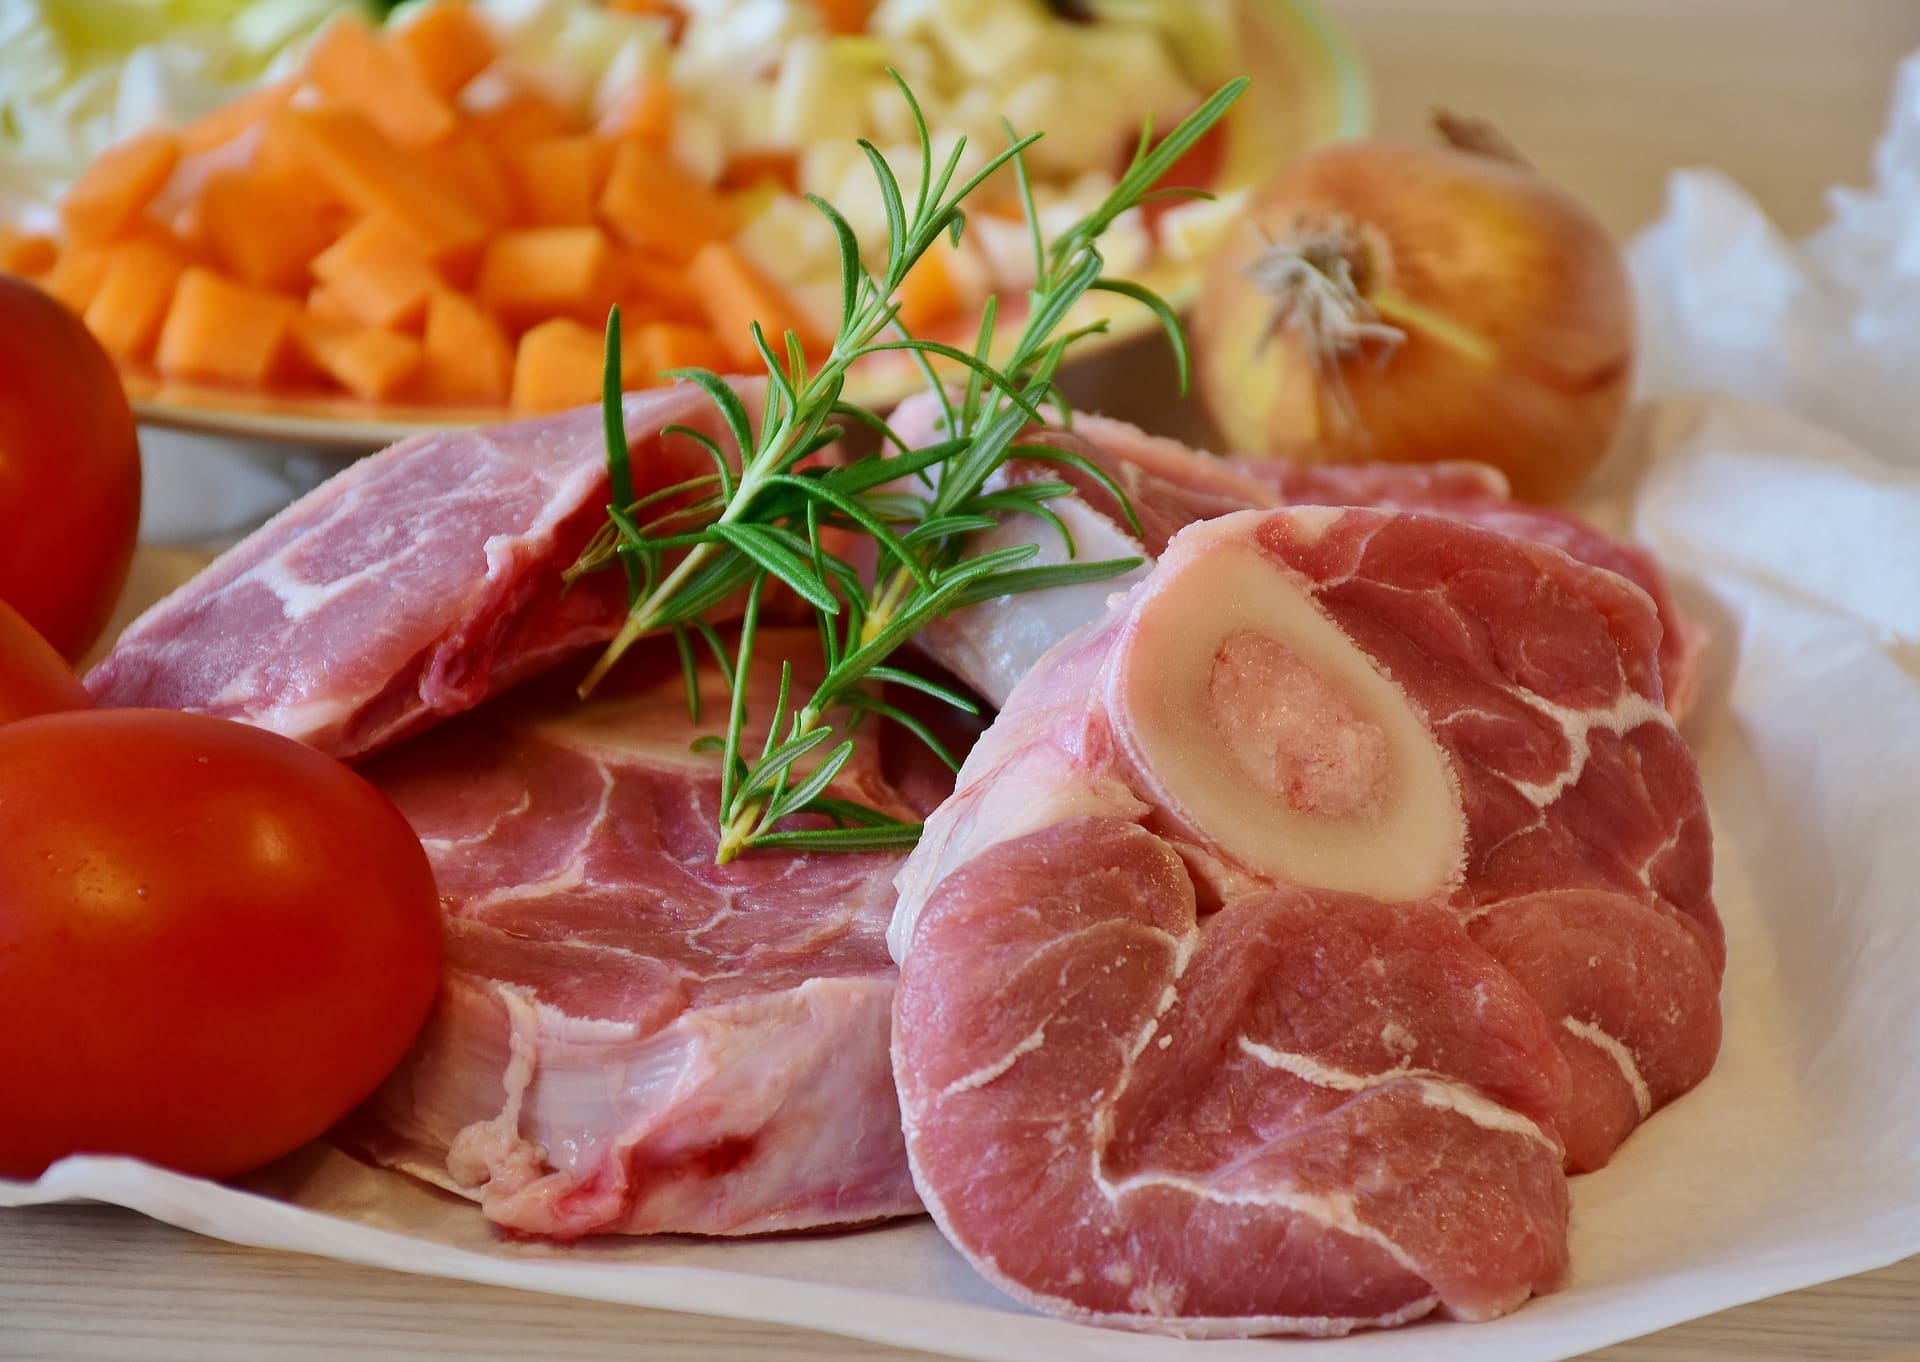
[[629, 1038]]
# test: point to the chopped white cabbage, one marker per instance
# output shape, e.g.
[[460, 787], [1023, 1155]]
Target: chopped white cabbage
[[79, 75]]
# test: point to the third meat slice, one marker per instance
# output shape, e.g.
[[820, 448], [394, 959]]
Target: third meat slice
[[1299, 924]]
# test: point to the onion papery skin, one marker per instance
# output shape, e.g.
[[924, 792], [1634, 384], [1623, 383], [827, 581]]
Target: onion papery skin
[[1512, 301]]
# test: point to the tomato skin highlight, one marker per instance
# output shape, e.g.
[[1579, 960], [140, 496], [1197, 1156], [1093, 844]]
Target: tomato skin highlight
[[214, 941], [34, 679], [69, 471]]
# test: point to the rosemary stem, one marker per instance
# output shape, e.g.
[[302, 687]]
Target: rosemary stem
[[886, 604]]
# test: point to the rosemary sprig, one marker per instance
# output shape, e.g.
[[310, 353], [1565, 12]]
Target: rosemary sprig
[[730, 531]]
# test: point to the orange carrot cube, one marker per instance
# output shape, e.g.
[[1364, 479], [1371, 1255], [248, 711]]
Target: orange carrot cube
[[351, 65], [131, 301], [265, 228], [559, 179], [735, 294], [76, 275], [558, 366], [230, 120], [750, 169], [540, 272], [656, 205], [646, 115], [931, 293], [368, 361], [466, 358], [845, 16], [26, 252], [660, 346], [522, 115], [342, 151], [468, 167], [314, 338], [118, 185], [673, 11], [325, 303], [445, 44], [223, 331], [378, 273], [376, 364], [656, 291]]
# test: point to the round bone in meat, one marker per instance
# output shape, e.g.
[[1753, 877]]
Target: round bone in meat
[[1297, 925], [1268, 738]]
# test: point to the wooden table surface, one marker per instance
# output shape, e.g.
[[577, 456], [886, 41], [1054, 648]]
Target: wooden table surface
[[1606, 95]]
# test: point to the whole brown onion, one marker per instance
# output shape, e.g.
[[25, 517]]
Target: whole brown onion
[[1391, 300]]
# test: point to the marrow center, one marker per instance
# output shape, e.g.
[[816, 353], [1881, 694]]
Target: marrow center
[[1294, 735]]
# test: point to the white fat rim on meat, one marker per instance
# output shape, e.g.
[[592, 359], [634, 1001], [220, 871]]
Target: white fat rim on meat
[[484, 1149], [1436, 1090], [1621, 1056]]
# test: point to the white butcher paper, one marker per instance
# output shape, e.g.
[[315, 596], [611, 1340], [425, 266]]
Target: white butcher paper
[[1797, 537]]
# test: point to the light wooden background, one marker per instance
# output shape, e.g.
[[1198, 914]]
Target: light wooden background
[[1606, 95]]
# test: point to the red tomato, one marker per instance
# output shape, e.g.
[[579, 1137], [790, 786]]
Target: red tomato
[[214, 941], [33, 677], [69, 471]]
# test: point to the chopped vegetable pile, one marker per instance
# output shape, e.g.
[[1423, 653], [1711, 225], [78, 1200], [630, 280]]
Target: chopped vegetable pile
[[443, 210]]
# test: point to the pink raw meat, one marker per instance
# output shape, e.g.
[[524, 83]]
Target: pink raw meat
[[409, 587], [1184, 1058], [631, 1039], [1170, 485]]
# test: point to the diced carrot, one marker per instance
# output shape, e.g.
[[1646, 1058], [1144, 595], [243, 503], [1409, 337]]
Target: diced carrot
[[540, 272], [635, 371], [265, 228], [314, 339], [845, 16], [76, 275], [466, 358], [646, 115], [376, 364], [930, 294], [660, 346], [118, 185], [350, 64], [748, 169], [559, 179], [445, 44], [379, 273], [26, 252], [374, 177], [324, 302], [558, 365], [655, 291], [670, 10], [470, 168], [524, 115], [231, 119], [656, 205], [736, 294], [368, 361], [224, 331], [127, 308]]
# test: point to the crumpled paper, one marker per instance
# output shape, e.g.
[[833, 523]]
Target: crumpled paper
[[1827, 327], [1794, 530]]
